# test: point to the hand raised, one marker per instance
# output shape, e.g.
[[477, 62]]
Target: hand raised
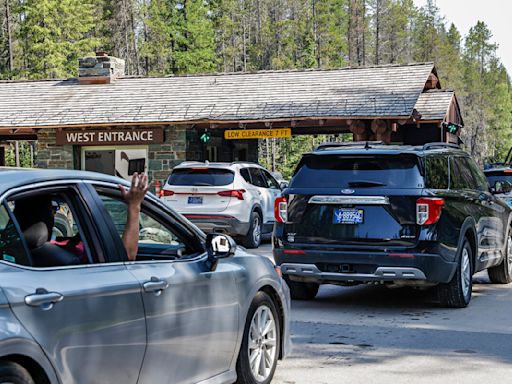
[[137, 190]]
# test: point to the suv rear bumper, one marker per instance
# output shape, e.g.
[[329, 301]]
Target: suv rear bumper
[[380, 274], [355, 266], [219, 224]]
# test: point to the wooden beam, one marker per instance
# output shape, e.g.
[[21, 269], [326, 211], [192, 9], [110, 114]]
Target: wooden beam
[[208, 121]]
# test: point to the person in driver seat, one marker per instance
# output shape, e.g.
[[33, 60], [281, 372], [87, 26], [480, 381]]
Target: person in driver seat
[[35, 216]]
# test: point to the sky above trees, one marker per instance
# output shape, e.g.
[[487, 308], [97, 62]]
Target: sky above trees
[[495, 13]]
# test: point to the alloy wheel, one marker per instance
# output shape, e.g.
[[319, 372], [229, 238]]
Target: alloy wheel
[[256, 232], [465, 272], [509, 254], [262, 343]]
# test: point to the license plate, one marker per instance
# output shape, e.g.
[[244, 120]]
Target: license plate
[[195, 200], [348, 216]]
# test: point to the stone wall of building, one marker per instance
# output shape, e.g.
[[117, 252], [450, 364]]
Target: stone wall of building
[[50, 155], [164, 157]]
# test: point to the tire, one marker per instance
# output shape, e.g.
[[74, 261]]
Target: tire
[[253, 237], [14, 373], [502, 273], [255, 344], [457, 293], [302, 291]]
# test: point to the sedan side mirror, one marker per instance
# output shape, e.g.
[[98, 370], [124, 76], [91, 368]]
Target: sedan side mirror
[[283, 184], [219, 246]]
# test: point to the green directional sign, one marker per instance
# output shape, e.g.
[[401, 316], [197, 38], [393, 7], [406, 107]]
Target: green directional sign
[[452, 128], [205, 137]]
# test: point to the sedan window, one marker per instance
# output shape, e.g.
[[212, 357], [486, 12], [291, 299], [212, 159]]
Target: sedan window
[[51, 229], [11, 245], [156, 239]]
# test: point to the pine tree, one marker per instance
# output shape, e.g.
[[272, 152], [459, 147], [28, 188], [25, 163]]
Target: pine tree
[[155, 43], [194, 39], [55, 33]]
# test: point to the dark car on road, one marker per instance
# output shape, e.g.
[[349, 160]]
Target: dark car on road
[[368, 213], [191, 308], [500, 179]]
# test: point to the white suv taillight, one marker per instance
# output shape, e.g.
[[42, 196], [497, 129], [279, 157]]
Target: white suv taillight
[[428, 210], [238, 193], [281, 210], [165, 193]]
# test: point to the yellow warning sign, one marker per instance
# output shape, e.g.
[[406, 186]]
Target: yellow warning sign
[[241, 134]]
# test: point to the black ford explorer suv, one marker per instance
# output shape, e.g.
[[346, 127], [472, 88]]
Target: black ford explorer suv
[[370, 213]]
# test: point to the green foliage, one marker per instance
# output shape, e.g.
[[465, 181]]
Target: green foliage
[[193, 38], [55, 33], [160, 37], [25, 155]]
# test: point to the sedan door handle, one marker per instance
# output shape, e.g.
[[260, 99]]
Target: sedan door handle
[[44, 299], [155, 285]]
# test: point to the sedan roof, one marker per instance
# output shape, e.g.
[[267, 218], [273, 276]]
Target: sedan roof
[[16, 177]]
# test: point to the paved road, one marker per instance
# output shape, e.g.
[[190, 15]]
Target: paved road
[[369, 334]]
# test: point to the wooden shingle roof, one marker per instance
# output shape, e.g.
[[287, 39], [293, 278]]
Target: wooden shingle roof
[[381, 92], [433, 105]]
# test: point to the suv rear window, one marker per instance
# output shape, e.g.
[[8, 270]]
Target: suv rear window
[[342, 171], [204, 177]]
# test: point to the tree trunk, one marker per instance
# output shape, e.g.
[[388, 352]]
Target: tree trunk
[[377, 31], [9, 36]]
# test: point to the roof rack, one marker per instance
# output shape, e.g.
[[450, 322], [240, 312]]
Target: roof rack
[[244, 162], [440, 145], [367, 144]]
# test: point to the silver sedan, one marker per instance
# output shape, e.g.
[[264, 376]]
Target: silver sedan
[[190, 309]]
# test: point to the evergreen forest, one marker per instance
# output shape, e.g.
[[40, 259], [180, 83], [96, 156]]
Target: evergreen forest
[[42, 39]]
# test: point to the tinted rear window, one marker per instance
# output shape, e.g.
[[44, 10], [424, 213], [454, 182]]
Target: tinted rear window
[[210, 177], [338, 171]]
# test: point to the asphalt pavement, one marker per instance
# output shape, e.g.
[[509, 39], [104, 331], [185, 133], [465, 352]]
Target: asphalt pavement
[[373, 334]]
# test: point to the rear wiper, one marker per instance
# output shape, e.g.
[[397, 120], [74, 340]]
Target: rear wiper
[[365, 184]]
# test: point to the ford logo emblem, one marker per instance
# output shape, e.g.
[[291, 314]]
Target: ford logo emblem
[[347, 191]]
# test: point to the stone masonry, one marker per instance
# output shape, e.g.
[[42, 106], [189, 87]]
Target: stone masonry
[[50, 155]]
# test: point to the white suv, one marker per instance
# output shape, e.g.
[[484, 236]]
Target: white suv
[[233, 198]]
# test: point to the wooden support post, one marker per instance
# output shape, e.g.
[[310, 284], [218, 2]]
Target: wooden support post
[[17, 153]]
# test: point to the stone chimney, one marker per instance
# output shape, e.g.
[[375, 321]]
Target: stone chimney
[[99, 69]]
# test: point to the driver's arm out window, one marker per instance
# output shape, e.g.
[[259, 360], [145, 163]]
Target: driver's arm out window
[[155, 238]]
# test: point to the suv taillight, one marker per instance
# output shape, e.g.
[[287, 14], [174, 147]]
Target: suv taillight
[[238, 193], [166, 192], [428, 210], [281, 210]]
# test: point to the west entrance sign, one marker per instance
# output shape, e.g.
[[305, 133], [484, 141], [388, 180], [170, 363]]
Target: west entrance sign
[[110, 136]]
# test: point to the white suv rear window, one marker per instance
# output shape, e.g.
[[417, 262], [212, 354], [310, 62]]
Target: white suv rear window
[[201, 177]]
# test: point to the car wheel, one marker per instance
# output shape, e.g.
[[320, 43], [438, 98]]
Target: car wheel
[[457, 293], [13, 373], [261, 343], [302, 291], [253, 237], [502, 273]]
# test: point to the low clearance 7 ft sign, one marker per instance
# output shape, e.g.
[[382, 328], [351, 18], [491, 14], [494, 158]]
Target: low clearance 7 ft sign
[[125, 136], [241, 134]]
